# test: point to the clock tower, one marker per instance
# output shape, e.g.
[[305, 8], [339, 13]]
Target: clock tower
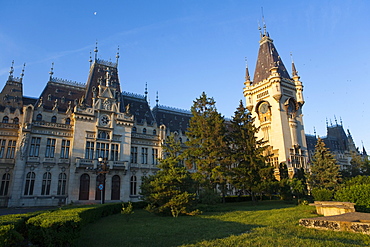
[[275, 100]]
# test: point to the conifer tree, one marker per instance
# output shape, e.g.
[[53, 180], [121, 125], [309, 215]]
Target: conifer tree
[[247, 152], [171, 189], [324, 169], [207, 144]]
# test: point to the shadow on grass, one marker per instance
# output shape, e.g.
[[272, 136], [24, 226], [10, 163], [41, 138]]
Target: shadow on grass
[[145, 229]]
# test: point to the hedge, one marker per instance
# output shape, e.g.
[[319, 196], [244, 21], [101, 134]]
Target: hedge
[[57, 228]]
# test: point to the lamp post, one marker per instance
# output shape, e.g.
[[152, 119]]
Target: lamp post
[[103, 169]]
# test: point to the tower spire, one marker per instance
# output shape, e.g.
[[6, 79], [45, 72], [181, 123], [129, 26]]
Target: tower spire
[[294, 71], [157, 100], [117, 55], [264, 24], [96, 50], [22, 74], [11, 70], [90, 60], [51, 71], [146, 91], [247, 77]]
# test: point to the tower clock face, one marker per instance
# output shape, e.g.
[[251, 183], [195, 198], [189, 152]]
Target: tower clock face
[[264, 107], [104, 120]]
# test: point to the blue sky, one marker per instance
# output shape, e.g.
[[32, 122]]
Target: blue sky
[[184, 47]]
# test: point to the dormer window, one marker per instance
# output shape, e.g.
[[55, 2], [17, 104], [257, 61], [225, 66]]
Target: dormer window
[[53, 119], [39, 117], [133, 129], [144, 131], [154, 132], [68, 121], [5, 119], [15, 120], [49, 97]]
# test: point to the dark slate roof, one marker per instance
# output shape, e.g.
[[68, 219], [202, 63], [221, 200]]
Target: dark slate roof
[[268, 57], [12, 93], [139, 107], [174, 119], [29, 100], [311, 141], [63, 91], [97, 75]]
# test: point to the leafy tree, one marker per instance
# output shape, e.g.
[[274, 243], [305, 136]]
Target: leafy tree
[[324, 170], [170, 190], [207, 146], [359, 166], [247, 153]]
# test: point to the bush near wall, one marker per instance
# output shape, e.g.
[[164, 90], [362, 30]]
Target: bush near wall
[[57, 228], [358, 193]]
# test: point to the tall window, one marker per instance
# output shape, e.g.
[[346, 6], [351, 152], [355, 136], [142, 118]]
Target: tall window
[[144, 155], [4, 184], [102, 150], [133, 155], [2, 148], [16, 120], [89, 152], [35, 146], [133, 185], [30, 184], [62, 182], [154, 132], [64, 152], [5, 119], [53, 119], [50, 148], [154, 156], [46, 181], [114, 152], [39, 117], [10, 150], [68, 121], [144, 131]]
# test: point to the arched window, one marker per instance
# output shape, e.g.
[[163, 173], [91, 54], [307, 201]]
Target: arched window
[[30, 184], [39, 117], [5, 119], [53, 119], [84, 187], [103, 135], [5, 184], [116, 184], [68, 121], [144, 131], [133, 185], [133, 129], [154, 132], [16, 120], [62, 183], [46, 182]]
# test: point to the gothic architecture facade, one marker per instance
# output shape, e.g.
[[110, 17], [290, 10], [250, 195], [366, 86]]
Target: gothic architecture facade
[[275, 99]]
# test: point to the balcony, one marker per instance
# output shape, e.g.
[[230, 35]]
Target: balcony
[[52, 125], [33, 159], [9, 126]]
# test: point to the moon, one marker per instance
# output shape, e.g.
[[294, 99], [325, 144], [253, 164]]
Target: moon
[[95, 13]]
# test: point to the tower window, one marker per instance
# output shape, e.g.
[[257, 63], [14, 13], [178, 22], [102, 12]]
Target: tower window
[[5, 119], [53, 119], [39, 117]]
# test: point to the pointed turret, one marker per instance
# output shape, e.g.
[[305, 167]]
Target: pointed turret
[[247, 77], [268, 58]]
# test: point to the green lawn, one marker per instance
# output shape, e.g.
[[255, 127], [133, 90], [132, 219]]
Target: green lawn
[[235, 224]]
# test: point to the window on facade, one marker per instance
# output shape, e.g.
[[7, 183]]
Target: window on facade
[[15, 120], [49, 96], [89, 151], [103, 135], [144, 155], [5, 119], [10, 150], [114, 152], [154, 156], [102, 150], [133, 155], [68, 121], [62, 183], [30, 184], [53, 119], [50, 148], [133, 185], [46, 182], [154, 132], [35, 147], [134, 129], [64, 152], [2, 148], [39, 117], [4, 184], [144, 131]]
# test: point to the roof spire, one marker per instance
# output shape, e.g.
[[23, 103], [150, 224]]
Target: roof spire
[[11, 70], [90, 60], [96, 50], [335, 119], [117, 55], [157, 100], [264, 24], [247, 77], [22, 74], [341, 122], [314, 131], [294, 71], [51, 71], [146, 91]]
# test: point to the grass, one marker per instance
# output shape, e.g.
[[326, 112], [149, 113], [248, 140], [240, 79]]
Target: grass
[[235, 224]]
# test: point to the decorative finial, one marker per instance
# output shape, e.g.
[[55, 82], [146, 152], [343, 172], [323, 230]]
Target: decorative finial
[[327, 124], [335, 119], [90, 60], [314, 131], [341, 122], [107, 77], [11, 70], [146, 91], [117, 55], [157, 99], [264, 23], [51, 70], [259, 28], [22, 74], [96, 50]]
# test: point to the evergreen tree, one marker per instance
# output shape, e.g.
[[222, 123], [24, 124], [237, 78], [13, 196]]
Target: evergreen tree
[[207, 146], [171, 189], [251, 167], [325, 172]]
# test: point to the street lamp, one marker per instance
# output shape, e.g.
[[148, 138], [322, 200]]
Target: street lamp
[[103, 169]]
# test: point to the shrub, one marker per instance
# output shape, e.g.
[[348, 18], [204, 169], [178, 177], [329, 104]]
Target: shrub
[[322, 194], [359, 194]]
